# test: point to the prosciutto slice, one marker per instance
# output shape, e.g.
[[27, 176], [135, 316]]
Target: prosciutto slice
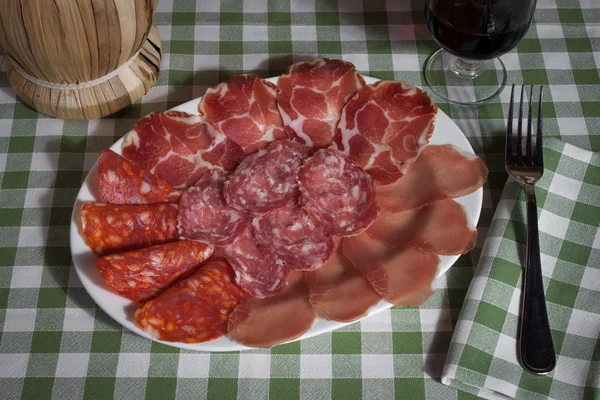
[[338, 291], [440, 172], [179, 148], [402, 276], [244, 109], [274, 320], [439, 228], [383, 128], [311, 96]]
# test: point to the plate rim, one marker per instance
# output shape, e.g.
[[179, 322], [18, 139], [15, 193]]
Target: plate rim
[[224, 343]]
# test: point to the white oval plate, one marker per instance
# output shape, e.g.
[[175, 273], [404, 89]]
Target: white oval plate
[[122, 310]]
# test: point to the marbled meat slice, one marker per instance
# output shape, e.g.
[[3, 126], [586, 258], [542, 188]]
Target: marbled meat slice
[[120, 181], [244, 109], [274, 320], [113, 228], [440, 228], [338, 194], [338, 291], [383, 128], [402, 276], [142, 274], [194, 310], [205, 216], [294, 237], [257, 271], [179, 147], [311, 95], [267, 179], [440, 172]]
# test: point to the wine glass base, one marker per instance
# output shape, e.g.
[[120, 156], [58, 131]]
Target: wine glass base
[[446, 83]]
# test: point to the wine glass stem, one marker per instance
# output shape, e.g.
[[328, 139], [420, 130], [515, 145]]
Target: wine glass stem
[[468, 68]]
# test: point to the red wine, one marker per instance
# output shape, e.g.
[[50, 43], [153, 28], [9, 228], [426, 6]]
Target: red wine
[[478, 30]]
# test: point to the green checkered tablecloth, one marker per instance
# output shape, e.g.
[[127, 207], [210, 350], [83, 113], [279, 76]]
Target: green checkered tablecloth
[[482, 358], [55, 342]]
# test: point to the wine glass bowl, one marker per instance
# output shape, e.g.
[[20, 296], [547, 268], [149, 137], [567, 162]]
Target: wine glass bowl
[[472, 34]]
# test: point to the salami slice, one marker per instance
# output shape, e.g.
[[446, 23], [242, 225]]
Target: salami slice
[[277, 319], [244, 108], [383, 128], [267, 179], [311, 95], [120, 181], [194, 310], [337, 193], [205, 216], [142, 274], [294, 237], [258, 272], [111, 228]]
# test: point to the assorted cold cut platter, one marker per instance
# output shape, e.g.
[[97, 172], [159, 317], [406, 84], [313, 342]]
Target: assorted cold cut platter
[[275, 210]]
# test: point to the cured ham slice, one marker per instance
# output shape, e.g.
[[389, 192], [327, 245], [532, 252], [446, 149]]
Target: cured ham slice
[[179, 147], [294, 237], [244, 109], [338, 291], [112, 228], [440, 172], [439, 228], [205, 216], [402, 276], [383, 128], [311, 95], [337, 193], [141, 274], [194, 310], [258, 272], [267, 179], [120, 181], [274, 320]]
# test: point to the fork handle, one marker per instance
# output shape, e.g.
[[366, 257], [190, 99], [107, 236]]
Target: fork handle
[[536, 347]]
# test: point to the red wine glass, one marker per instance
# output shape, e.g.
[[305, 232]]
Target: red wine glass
[[473, 34]]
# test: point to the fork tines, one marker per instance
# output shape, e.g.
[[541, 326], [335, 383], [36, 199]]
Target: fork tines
[[516, 157]]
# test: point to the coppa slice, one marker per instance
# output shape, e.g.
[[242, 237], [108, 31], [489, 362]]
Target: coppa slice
[[194, 310], [179, 147], [383, 128], [141, 274], [258, 272], [267, 179], [440, 172], [112, 228], [294, 237], [120, 181], [338, 291], [337, 193], [274, 320], [244, 109], [402, 276], [205, 216], [311, 95], [440, 228]]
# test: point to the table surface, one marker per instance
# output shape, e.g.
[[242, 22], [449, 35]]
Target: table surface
[[55, 342]]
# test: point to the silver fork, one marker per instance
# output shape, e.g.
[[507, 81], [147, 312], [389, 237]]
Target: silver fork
[[536, 349]]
